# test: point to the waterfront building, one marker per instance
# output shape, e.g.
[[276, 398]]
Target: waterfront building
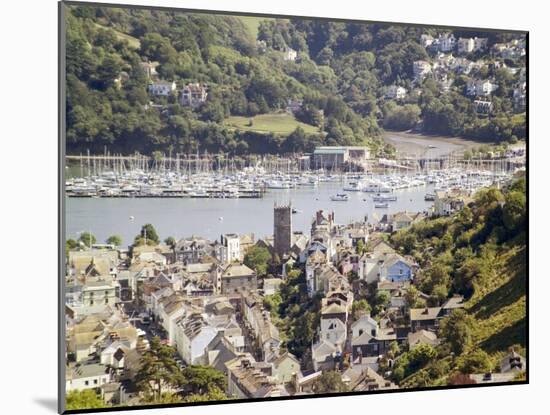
[[336, 157]]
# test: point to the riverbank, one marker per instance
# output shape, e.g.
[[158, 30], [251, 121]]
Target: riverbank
[[412, 144]]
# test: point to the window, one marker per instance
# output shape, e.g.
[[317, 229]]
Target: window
[[86, 382], [91, 302], [106, 301], [95, 381]]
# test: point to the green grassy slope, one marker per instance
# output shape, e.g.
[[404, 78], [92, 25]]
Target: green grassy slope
[[499, 304], [252, 24], [280, 123], [133, 42]]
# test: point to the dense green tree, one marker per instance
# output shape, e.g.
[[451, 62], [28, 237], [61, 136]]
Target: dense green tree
[[401, 117], [71, 244], [170, 241], [329, 382], [214, 394], [360, 307], [84, 399], [158, 370], [413, 299], [115, 240], [456, 329], [476, 361], [147, 235], [412, 361], [258, 259], [87, 239], [200, 380]]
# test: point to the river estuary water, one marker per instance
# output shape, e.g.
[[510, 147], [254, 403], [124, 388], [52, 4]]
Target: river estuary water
[[212, 217]]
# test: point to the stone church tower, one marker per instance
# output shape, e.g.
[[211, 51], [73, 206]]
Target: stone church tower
[[282, 229]]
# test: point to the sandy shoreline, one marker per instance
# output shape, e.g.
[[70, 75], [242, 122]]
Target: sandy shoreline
[[411, 144]]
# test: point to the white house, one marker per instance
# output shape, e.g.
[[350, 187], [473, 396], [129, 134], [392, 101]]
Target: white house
[[193, 334], [365, 324], [232, 245], [290, 54], [168, 312], [396, 92], [86, 376], [334, 331], [477, 87], [162, 88], [465, 45]]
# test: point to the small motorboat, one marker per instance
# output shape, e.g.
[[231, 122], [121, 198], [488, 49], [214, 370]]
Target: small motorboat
[[381, 205], [340, 197]]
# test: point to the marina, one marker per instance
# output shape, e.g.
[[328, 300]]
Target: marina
[[194, 212]]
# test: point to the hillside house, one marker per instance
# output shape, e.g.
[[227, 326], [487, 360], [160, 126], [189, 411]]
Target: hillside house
[[290, 54], [395, 92], [193, 95], [162, 88], [477, 87], [421, 69]]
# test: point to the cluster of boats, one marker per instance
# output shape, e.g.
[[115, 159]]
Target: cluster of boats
[[442, 180], [248, 183], [254, 182]]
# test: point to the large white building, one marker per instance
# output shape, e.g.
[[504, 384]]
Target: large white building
[[329, 157], [232, 244], [162, 88]]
